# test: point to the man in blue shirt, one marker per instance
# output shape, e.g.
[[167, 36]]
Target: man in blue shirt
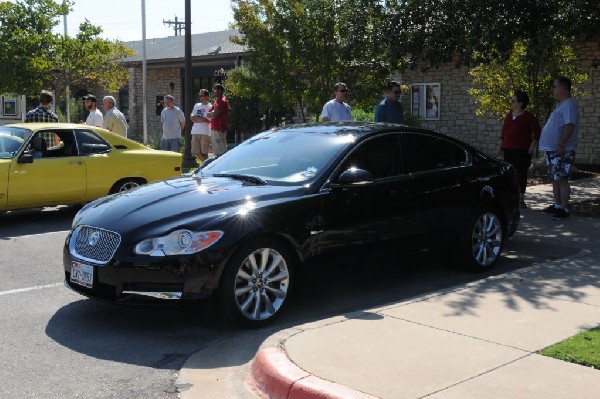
[[390, 109]]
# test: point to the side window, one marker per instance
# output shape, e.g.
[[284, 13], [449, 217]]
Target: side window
[[90, 143], [380, 156], [425, 152]]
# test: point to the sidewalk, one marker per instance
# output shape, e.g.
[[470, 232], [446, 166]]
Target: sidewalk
[[477, 340]]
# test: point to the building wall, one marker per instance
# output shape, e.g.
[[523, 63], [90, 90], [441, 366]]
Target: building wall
[[159, 82], [457, 107]]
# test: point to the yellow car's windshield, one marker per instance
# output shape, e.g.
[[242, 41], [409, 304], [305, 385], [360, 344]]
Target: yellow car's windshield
[[11, 140]]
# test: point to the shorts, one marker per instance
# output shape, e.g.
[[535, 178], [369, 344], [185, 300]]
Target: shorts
[[219, 141], [200, 144], [170, 145], [560, 166]]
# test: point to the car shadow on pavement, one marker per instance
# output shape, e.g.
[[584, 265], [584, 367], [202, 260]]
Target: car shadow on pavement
[[36, 221], [163, 336]]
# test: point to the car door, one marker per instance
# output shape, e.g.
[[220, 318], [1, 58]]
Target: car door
[[57, 176], [374, 212], [442, 173]]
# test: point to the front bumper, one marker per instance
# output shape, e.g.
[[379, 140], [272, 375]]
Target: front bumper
[[166, 279]]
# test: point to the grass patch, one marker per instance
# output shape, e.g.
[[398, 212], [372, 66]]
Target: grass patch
[[583, 348]]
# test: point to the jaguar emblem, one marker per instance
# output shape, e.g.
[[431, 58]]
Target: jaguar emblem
[[94, 238]]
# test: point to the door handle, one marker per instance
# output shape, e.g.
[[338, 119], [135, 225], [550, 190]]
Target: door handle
[[74, 162]]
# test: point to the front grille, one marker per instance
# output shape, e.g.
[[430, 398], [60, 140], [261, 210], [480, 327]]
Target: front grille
[[94, 244]]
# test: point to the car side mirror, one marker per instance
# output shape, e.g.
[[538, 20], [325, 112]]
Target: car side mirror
[[25, 158], [355, 176]]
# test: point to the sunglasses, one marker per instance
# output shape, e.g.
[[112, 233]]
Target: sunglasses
[[344, 90]]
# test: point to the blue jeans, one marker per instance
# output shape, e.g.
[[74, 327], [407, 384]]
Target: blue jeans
[[170, 144]]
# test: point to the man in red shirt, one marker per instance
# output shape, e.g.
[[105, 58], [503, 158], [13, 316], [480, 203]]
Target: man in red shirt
[[219, 118]]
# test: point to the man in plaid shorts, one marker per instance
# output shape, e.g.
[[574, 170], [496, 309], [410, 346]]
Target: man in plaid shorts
[[558, 141]]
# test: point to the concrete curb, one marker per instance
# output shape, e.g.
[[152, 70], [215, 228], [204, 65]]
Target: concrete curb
[[273, 375]]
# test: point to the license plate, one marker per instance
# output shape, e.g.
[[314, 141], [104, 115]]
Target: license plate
[[82, 274]]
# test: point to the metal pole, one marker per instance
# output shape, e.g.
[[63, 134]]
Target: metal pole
[[144, 99], [67, 89], [188, 160]]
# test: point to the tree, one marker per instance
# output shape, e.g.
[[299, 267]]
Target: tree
[[301, 48], [35, 58], [512, 45]]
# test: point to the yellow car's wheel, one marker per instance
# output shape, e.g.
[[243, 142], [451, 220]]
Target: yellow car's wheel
[[126, 184]]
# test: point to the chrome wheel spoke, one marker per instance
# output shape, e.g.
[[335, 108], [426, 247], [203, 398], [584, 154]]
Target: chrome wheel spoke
[[278, 293], [279, 277], [242, 290], [245, 276], [244, 306], [268, 304]]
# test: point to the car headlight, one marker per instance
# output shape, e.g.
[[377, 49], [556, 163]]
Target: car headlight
[[178, 242]]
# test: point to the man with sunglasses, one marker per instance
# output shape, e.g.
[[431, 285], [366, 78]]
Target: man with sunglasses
[[200, 128], [390, 109], [337, 110]]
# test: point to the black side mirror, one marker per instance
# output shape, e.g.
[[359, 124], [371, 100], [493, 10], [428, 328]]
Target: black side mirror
[[354, 176], [25, 158]]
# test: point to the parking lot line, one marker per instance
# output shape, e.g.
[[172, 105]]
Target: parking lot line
[[37, 287]]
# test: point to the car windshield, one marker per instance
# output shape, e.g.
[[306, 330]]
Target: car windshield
[[282, 157], [11, 140]]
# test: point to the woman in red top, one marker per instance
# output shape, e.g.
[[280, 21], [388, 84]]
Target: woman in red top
[[520, 135]]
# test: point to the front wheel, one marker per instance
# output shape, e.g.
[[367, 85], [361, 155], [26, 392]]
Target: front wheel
[[256, 282], [483, 240], [125, 185]]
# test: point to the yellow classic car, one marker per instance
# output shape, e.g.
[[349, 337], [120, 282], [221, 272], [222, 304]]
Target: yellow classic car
[[47, 164]]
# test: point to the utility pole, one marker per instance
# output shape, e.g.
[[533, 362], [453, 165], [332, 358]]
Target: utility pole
[[189, 161], [178, 25]]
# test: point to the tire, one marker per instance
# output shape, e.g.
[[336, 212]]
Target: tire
[[483, 240], [125, 185], [255, 283]]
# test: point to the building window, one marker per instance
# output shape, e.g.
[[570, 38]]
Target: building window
[[124, 101], [425, 100]]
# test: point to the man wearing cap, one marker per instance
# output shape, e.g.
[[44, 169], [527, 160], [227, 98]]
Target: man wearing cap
[[43, 113], [219, 120], [173, 122], [95, 117], [114, 120]]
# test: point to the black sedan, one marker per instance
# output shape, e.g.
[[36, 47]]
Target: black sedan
[[242, 227]]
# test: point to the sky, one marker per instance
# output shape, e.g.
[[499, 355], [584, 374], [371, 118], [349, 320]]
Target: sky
[[122, 19]]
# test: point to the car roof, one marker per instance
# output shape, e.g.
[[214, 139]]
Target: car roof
[[351, 127]]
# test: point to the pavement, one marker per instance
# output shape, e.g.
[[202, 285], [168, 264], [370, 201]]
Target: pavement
[[476, 340]]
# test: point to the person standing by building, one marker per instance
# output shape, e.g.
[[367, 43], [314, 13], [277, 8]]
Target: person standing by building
[[43, 113], [200, 128], [558, 141], [95, 117], [173, 122], [219, 119], [114, 120], [390, 109], [519, 139], [337, 110]]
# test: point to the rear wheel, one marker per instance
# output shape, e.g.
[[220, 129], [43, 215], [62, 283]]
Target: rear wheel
[[255, 283], [125, 185], [483, 240]]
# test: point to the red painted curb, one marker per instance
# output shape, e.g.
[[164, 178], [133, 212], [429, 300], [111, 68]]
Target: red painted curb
[[274, 376]]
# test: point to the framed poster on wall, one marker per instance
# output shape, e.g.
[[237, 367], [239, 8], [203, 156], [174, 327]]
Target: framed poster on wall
[[9, 106], [425, 100]]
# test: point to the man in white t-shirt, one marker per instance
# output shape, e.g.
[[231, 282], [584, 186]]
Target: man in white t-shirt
[[95, 117], [337, 110], [200, 128]]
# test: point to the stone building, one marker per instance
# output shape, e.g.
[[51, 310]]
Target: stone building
[[456, 107], [213, 55]]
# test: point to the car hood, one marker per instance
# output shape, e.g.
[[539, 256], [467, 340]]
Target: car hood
[[185, 201]]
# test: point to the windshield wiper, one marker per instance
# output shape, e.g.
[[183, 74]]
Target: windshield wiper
[[248, 178]]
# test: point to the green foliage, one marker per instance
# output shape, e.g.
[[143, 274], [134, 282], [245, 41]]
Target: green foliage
[[583, 348], [301, 48], [359, 114], [528, 68], [34, 58]]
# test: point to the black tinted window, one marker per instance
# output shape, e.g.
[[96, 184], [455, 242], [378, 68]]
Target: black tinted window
[[379, 156], [425, 152], [90, 143]]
